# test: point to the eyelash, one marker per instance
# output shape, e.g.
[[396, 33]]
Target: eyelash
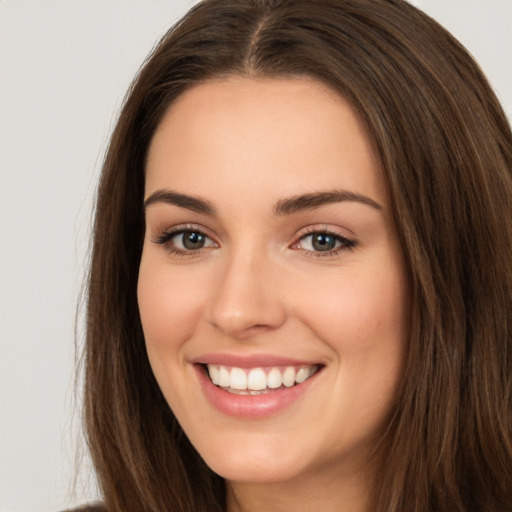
[[344, 243], [166, 236]]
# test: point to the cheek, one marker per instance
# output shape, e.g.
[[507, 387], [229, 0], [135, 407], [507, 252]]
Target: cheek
[[170, 305], [362, 309], [365, 322], [363, 318]]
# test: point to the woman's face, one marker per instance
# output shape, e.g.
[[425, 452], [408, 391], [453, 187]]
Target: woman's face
[[271, 263]]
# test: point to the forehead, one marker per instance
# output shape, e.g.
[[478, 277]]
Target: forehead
[[282, 136]]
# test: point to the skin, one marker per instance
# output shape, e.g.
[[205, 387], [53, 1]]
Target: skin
[[258, 286]]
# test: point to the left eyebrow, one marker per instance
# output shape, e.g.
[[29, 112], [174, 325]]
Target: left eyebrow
[[317, 199], [195, 204]]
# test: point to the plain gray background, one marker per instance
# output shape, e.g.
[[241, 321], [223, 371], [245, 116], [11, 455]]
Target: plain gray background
[[64, 68]]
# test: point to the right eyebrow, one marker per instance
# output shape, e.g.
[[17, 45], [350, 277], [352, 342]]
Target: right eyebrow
[[182, 200]]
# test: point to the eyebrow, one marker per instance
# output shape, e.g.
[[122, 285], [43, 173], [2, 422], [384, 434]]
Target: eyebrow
[[317, 199], [182, 200], [283, 207]]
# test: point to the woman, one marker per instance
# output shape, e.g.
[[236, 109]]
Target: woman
[[300, 290]]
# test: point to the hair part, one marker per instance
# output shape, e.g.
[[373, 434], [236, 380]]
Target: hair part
[[446, 151]]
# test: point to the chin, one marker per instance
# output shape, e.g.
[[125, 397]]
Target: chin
[[266, 461], [250, 471]]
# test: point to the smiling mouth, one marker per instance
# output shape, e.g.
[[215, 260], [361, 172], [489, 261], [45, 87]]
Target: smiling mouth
[[259, 381]]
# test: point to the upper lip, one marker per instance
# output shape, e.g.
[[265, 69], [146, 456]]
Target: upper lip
[[250, 361]]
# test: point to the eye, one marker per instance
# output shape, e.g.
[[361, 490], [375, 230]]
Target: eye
[[323, 242], [320, 242], [189, 240], [185, 241]]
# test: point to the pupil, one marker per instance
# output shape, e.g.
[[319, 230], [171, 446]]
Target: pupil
[[323, 242], [192, 240]]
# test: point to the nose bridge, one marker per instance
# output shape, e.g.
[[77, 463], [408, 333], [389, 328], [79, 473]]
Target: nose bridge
[[246, 298]]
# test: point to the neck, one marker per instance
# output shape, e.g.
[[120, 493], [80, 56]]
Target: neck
[[347, 493]]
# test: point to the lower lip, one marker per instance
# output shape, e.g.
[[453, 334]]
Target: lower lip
[[252, 406]]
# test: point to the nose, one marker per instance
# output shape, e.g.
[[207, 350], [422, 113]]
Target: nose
[[246, 300]]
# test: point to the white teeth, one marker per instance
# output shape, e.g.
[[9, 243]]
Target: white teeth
[[289, 377], [224, 378], [274, 379], [304, 373], [258, 380], [213, 371], [238, 378]]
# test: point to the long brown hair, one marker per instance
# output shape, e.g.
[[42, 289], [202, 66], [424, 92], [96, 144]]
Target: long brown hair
[[446, 150]]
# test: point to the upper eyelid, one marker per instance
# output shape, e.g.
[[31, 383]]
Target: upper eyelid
[[323, 228], [180, 228], [347, 240]]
